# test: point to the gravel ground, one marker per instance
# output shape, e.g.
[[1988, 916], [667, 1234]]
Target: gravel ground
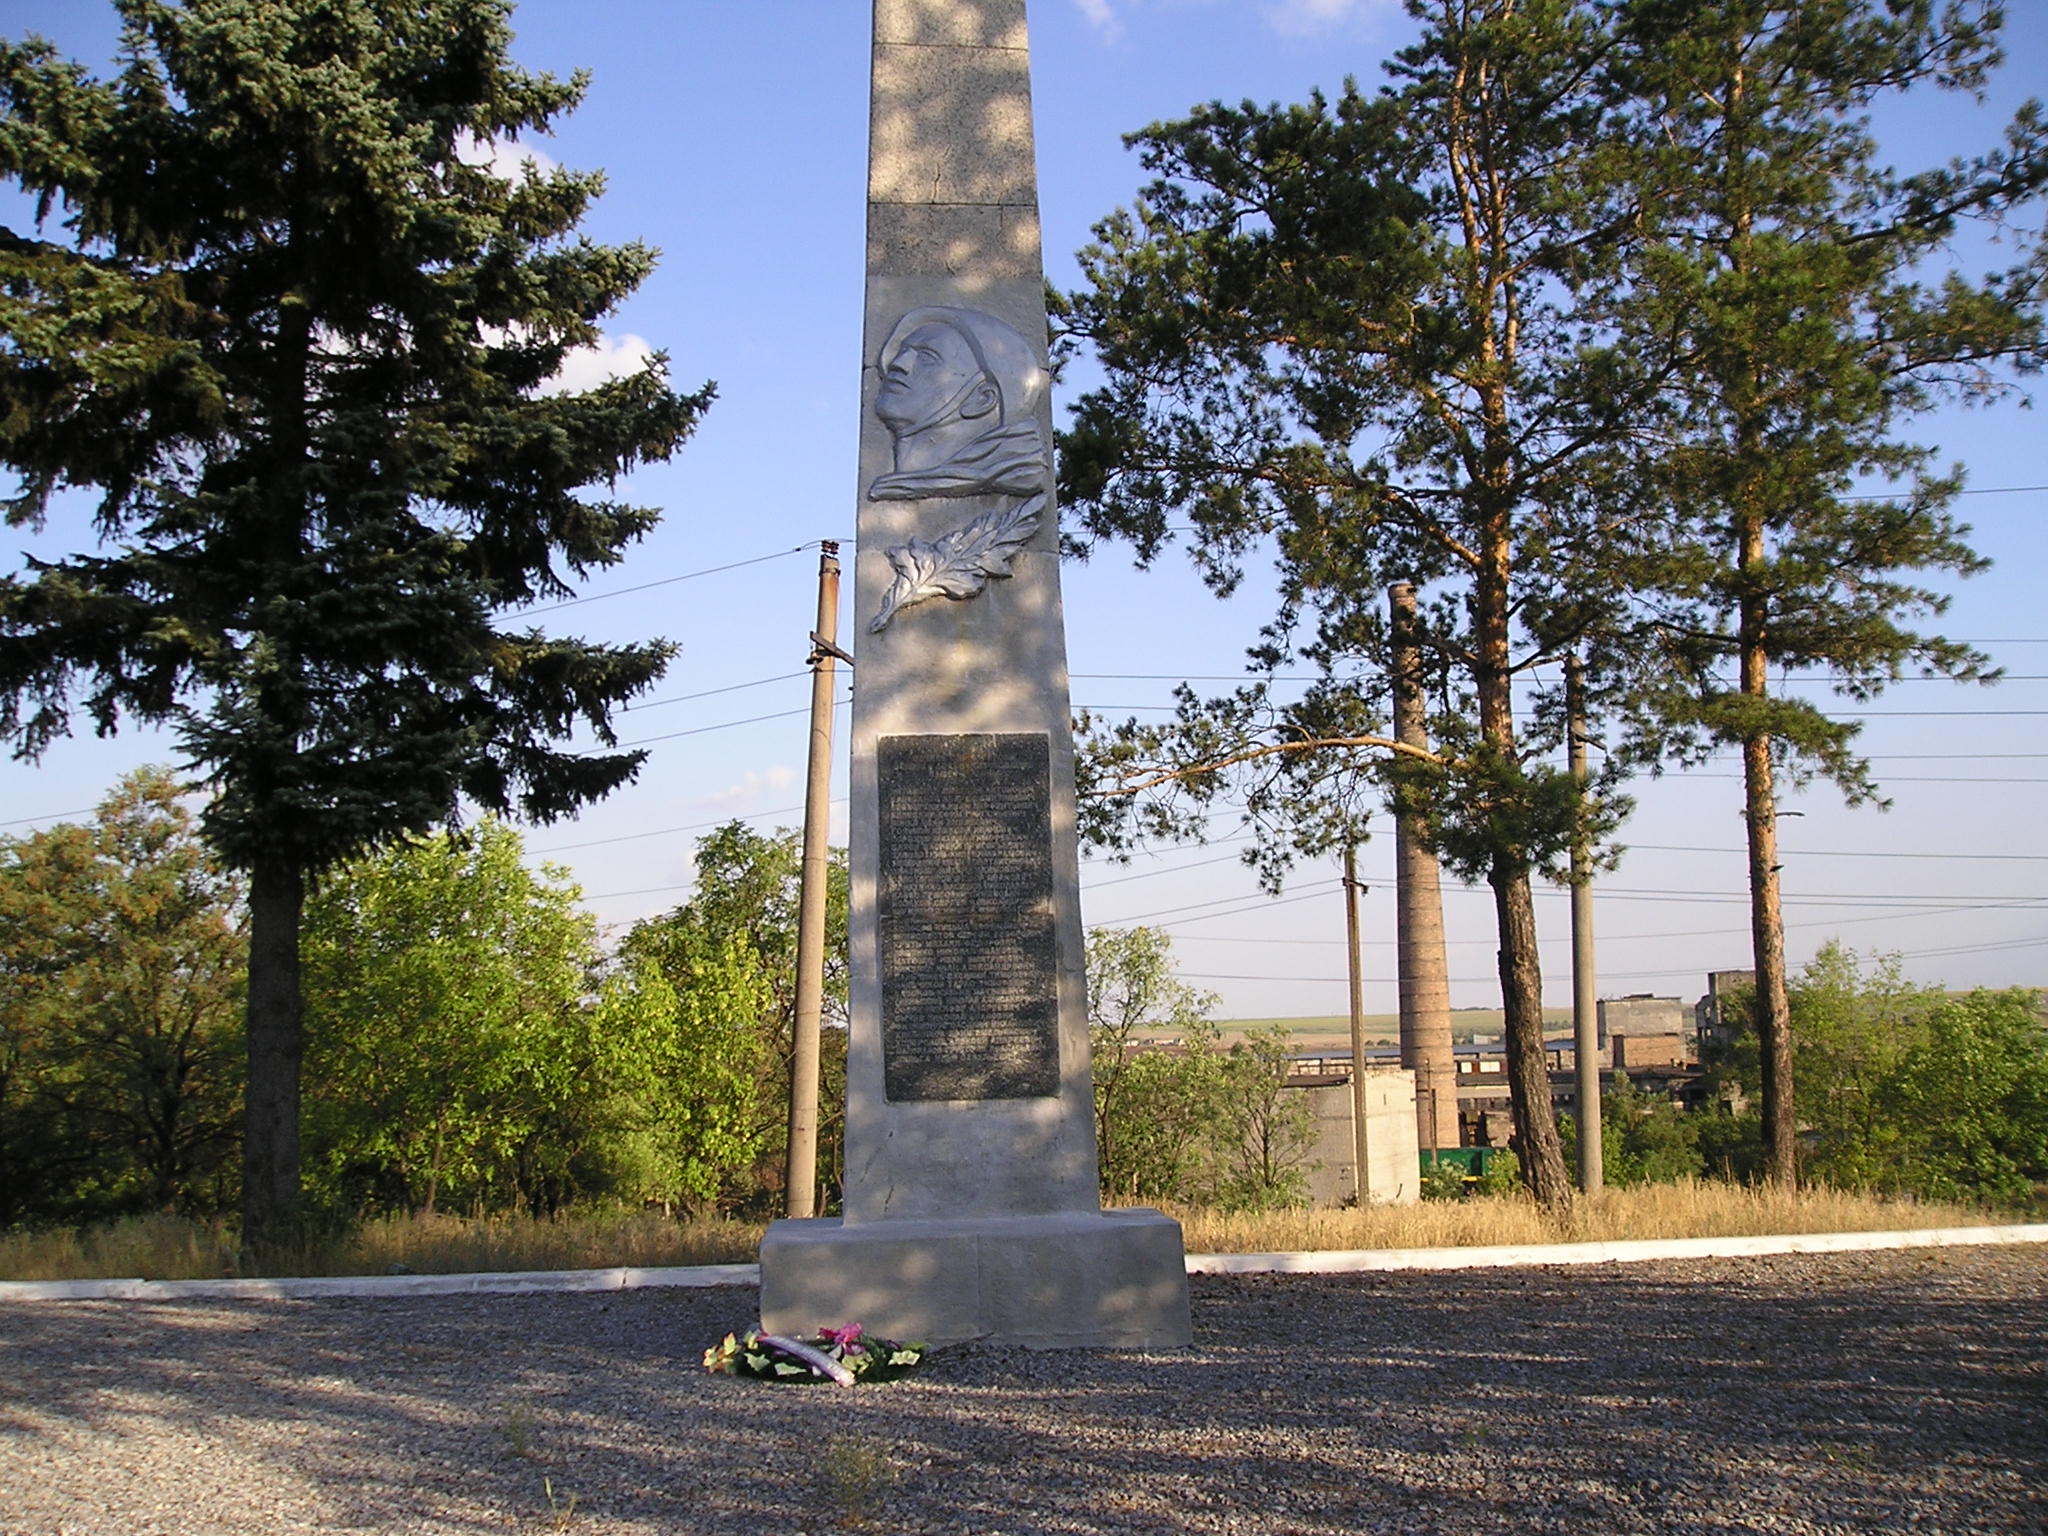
[[1885, 1391]]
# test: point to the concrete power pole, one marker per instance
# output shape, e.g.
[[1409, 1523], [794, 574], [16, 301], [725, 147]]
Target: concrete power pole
[[1585, 1008], [1425, 986], [800, 1184], [1359, 1161]]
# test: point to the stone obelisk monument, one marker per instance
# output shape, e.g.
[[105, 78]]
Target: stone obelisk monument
[[970, 1204]]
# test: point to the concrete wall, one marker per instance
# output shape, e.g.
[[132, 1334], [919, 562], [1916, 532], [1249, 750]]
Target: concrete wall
[[1642, 1015], [1393, 1161]]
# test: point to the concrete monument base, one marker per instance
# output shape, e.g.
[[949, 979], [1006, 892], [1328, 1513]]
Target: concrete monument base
[[1073, 1280]]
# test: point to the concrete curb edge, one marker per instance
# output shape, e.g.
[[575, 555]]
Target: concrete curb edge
[[511, 1283], [1355, 1261], [1333, 1262]]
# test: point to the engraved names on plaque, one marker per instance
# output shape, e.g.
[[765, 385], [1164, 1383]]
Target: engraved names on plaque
[[965, 918]]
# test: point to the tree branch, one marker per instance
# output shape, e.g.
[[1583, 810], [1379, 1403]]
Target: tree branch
[[1311, 744]]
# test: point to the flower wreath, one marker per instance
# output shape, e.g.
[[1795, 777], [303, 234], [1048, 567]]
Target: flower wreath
[[842, 1355]]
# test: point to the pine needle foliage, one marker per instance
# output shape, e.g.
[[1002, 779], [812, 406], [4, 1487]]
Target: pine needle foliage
[[1791, 282], [1597, 325], [1353, 333]]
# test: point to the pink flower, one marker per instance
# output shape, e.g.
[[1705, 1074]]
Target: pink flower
[[842, 1338]]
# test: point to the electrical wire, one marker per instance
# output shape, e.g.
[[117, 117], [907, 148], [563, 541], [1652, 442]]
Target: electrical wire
[[1990, 947], [1238, 904], [666, 581], [703, 730], [685, 698], [695, 826], [22, 821], [1839, 853]]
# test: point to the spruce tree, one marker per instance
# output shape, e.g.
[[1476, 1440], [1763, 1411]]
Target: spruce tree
[[277, 316]]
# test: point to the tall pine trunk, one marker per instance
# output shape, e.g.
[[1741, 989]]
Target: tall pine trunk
[[276, 1033], [1771, 1005], [1479, 151], [1540, 1148]]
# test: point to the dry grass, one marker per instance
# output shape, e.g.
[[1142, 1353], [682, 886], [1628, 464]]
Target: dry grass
[[144, 1247], [174, 1248], [1690, 1209], [1706, 1209], [453, 1245]]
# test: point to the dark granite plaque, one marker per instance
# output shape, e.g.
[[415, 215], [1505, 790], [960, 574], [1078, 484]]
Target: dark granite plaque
[[964, 915]]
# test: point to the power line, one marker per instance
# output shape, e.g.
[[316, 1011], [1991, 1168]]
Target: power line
[[1908, 901], [1914, 908], [630, 708], [684, 698], [1954, 949], [695, 826], [1523, 681], [1867, 714], [1982, 490], [1153, 874], [1189, 677], [701, 730], [649, 890], [1903, 954], [714, 570], [1982, 949], [49, 816], [1930, 714], [1806, 898], [1117, 859], [1836, 853], [1901, 778], [1238, 904], [1559, 942]]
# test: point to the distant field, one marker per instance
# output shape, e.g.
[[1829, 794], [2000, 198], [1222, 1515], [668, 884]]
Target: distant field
[[1385, 1028]]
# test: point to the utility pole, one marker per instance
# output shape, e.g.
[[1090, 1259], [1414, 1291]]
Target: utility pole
[[800, 1183], [1359, 1164], [1425, 986], [1585, 1009]]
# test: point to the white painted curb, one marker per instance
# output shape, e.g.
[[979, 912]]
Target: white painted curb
[[1334, 1262], [505, 1284], [1357, 1260]]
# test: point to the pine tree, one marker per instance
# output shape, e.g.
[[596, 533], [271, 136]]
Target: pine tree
[[1357, 328], [1784, 283], [278, 315]]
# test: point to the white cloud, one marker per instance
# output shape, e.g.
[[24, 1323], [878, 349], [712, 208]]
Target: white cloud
[[587, 367], [506, 159], [754, 785], [1290, 18], [1099, 15], [610, 357], [1297, 17]]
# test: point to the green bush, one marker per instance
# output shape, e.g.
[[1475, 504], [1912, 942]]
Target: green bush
[[1443, 1181]]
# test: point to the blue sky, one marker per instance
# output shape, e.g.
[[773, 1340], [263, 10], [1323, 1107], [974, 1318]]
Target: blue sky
[[733, 135]]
